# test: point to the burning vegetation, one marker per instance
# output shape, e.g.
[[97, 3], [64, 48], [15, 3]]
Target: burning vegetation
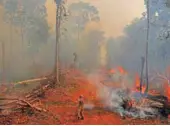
[[77, 91], [109, 95], [132, 100]]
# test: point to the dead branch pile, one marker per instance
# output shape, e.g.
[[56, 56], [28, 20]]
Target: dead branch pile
[[29, 102]]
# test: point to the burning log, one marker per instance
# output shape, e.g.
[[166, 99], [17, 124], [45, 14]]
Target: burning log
[[160, 103], [160, 98], [142, 69]]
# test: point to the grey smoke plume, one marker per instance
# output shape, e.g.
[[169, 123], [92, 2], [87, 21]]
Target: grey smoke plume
[[113, 99]]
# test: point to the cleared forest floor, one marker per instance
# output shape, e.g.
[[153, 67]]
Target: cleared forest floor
[[61, 106]]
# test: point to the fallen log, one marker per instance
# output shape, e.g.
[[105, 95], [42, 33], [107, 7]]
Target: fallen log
[[8, 98], [37, 91], [20, 102], [32, 106], [31, 80], [35, 94], [30, 98], [34, 100], [6, 104]]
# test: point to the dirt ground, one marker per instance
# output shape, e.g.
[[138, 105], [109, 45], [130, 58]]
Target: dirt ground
[[61, 104]]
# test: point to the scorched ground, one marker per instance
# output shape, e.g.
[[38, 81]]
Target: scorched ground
[[61, 105]]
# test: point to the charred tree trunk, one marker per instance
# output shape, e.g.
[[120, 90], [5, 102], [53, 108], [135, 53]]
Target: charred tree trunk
[[75, 59], [141, 77], [58, 21], [147, 45]]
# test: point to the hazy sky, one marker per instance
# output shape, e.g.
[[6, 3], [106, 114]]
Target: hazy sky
[[115, 14]]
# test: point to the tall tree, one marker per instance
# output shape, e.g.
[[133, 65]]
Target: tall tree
[[11, 8], [36, 29], [60, 12], [147, 43], [132, 42], [3, 62], [81, 14], [21, 19], [30, 17], [10, 12], [93, 42]]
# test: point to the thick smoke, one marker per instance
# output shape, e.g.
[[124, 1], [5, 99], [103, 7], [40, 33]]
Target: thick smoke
[[113, 99], [125, 50]]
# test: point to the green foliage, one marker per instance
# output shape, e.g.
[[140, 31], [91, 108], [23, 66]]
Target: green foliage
[[93, 41], [35, 24], [11, 7], [168, 3], [29, 19], [82, 13], [58, 1], [30, 15], [145, 2]]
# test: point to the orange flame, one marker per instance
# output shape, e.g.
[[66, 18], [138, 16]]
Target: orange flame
[[121, 70], [137, 84], [112, 71], [167, 90], [118, 69]]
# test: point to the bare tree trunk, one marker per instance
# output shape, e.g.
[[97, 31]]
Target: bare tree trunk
[[11, 35], [22, 42], [58, 20], [147, 46], [20, 9], [10, 55], [3, 62], [141, 77], [22, 34], [75, 60], [78, 35]]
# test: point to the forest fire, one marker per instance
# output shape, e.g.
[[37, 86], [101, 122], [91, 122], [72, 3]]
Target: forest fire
[[121, 70], [98, 97], [167, 90], [118, 69], [137, 85], [72, 62], [131, 100]]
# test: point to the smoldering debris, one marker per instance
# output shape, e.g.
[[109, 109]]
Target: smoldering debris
[[117, 99], [125, 98]]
